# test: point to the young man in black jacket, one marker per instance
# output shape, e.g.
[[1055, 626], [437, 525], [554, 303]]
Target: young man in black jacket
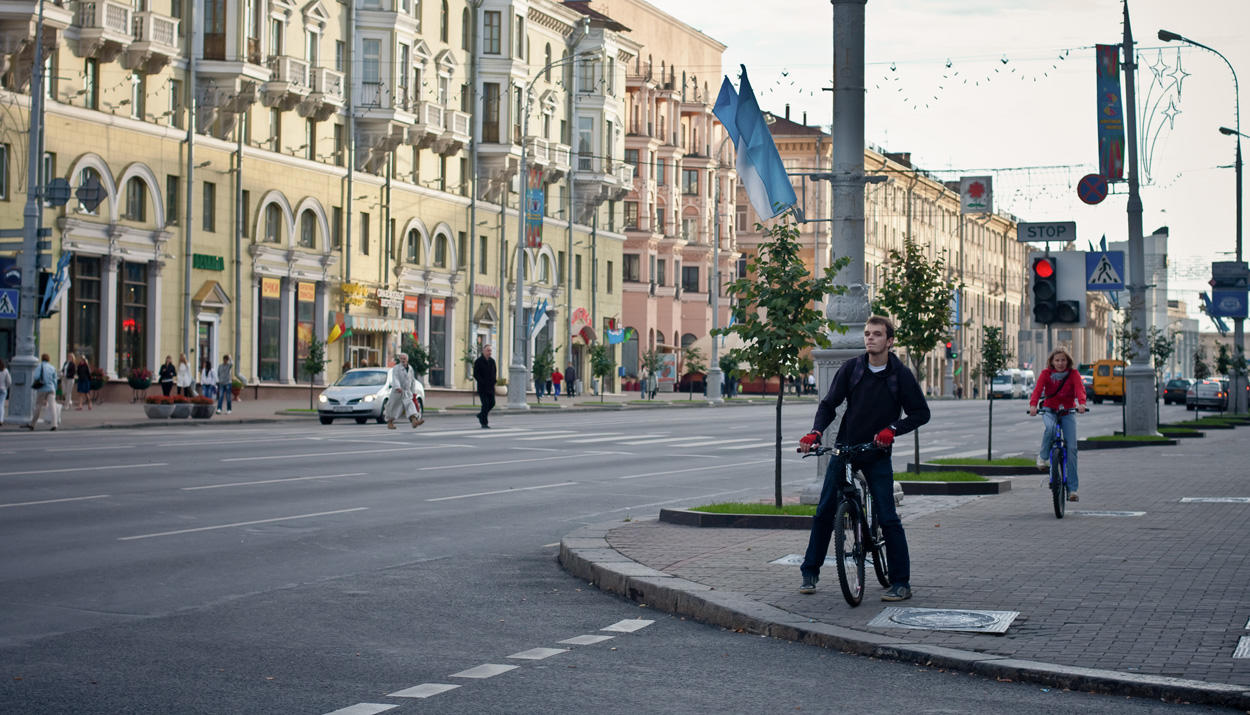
[[877, 388]]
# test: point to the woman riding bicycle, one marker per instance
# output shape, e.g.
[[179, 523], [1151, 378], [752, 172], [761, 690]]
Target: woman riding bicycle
[[1059, 389]]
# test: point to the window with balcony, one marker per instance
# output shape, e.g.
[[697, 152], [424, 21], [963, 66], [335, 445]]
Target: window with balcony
[[277, 37], [370, 68], [490, 112], [312, 48], [631, 265], [690, 279], [255, 26], [586, 76], [402, 92], [214, 30], [690, 182], [492, 26], [136, 199], [585, 136], [631, 215]]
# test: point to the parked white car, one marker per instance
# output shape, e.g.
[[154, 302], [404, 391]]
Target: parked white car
[[362, 393]]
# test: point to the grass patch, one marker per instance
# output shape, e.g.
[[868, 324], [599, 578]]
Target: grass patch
[[1127, 438], [1000, 462], [939, 477], [1177, 430], [750, 508]]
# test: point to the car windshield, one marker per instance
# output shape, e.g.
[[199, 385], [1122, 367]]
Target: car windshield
[[363, 378], [1002, 380]]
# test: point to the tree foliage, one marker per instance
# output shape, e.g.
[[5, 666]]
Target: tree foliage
[[314, 363], [916, 294], [1201, 369], [544, 364], [994, 358], [776, 315], [1126, 337], [1162, 345], [692, 362], [418, 356], [601, 364]]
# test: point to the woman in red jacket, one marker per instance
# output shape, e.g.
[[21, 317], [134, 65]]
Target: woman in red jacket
[[1059, 387]]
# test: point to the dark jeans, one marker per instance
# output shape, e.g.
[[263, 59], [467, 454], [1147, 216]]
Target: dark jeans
[[224, 395], [488, 404], [166, 388], [881, 485]]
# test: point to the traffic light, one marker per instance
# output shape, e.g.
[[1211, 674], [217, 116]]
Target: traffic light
[[952, 352], [1045, 290]]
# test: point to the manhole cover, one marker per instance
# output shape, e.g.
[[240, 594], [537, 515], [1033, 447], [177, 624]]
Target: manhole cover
[[1108, 513], [797, 560], [945, 619], [1215, 500]]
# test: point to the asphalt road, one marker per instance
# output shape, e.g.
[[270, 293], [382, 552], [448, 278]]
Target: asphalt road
[[298, 568]]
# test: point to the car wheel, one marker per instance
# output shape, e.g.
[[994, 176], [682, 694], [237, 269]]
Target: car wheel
[[326, 420], [361, 420], [382, 412]]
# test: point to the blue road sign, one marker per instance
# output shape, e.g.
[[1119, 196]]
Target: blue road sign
[[1228, 303], [8, 303], [1104, 271]]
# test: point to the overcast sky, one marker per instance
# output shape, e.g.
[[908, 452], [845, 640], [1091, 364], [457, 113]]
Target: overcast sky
[[979, 86]]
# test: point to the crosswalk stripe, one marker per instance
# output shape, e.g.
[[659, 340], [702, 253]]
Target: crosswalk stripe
[[668, 439], [757, 445], [617, 438]]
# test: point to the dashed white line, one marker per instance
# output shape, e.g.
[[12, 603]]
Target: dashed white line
[[616, 439], [85, 469], [53, 501], [491, 464], [241, 523], [271, 481], [629, 625], [667, 439], [586, 640], [757, 445], [486, 670], [691, 469], [363, 709], [306, 455], [504, 491], [424, 690], [538, 653]]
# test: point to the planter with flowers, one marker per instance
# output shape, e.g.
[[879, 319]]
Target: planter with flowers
[[182, 407], [158, 407], [139, 379], [236, 386], [201, 408]]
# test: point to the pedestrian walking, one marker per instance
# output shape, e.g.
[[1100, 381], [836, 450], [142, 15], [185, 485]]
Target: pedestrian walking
[[642, 384], [570, 377], [485, 374], [959, 392], [811, 383], [83, 382], [224, 383], [44, 385], [208, 379], [556, 378], [69, 374], [185, 380], [399, 403], [168, 375], [6, 383]]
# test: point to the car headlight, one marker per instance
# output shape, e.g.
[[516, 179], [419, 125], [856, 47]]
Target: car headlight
[[322, 398], [370, 398]]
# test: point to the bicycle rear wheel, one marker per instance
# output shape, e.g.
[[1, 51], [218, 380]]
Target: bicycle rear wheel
[[1058, 482], [849, 550], [877, 544]]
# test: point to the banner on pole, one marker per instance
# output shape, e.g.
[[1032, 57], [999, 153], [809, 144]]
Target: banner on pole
[[1110, 113], [534, 209]]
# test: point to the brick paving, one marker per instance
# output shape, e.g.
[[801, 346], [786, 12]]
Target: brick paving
[[1163, 594]]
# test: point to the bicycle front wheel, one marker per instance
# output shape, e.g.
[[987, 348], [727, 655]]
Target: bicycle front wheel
[[849, 550], [1058, 483]]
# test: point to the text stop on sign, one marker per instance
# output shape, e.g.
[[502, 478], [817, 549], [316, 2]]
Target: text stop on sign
[[1046, 231]]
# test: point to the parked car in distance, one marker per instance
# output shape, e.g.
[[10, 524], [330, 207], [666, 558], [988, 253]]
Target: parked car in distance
[[1209, 394], [1176, 389], [360, 394]]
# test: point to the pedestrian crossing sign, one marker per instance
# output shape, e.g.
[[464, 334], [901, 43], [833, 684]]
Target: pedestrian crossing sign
[[1104, 270], [8, 303]]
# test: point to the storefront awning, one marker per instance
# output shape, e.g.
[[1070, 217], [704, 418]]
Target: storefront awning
[[587, 334]]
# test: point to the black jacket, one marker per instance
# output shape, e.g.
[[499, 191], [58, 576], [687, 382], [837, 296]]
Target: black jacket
[[167, 373], [484, 373], [871, 405]]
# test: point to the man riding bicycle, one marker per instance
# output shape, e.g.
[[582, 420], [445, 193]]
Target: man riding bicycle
[[1059, 388], [877, 388]]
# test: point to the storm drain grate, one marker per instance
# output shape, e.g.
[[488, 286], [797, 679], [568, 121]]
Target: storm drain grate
[[1243, 648], [945, 619], [1107, 513], [1215, 500]]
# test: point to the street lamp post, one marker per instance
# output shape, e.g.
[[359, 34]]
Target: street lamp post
[[517, 379], [1239, 385]]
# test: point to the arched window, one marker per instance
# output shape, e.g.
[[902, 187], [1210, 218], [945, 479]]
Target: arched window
[[440, 252], [443, 22], [84, 176], [308, 230], [687, 340], [547, 62], [414, 246], [136, 199], [273, 223], [544, 270], [465, 33]]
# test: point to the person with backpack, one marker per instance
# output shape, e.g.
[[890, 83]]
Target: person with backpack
[[877, 389], [1059, 387]]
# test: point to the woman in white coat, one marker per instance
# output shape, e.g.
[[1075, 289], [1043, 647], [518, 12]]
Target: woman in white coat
[[399, 403], [185, 379]]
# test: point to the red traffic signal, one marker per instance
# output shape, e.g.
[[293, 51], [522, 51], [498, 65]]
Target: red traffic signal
[[1044, 267]]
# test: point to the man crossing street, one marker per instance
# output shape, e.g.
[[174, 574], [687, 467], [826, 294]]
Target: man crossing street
[[485, 374]]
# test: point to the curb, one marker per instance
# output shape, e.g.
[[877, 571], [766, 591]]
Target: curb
[[985, 470], [689, 517], [1125, 444], [992, 486], [586, 554]]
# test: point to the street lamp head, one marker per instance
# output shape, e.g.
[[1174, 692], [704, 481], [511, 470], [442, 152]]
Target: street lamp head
[[1168, 36]]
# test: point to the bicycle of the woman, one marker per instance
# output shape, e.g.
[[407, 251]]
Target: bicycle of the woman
[[1058, 462], [856, 525]]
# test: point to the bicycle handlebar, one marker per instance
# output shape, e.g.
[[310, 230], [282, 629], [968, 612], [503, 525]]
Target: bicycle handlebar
[[844, 450]]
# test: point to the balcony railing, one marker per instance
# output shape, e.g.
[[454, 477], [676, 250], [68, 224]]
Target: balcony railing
[[156, 29], [291, 71], [431, 115], [104, 15], [624, 173], [458, 123], [539, 150], [328, 83]]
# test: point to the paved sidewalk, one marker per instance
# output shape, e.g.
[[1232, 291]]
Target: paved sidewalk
[[1152, 605]]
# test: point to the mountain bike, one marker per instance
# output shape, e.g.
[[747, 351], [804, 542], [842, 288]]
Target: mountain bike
[[856, 526], [1058, 464]]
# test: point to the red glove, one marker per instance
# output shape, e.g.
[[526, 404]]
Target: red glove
[[884, 438], [811, 439]]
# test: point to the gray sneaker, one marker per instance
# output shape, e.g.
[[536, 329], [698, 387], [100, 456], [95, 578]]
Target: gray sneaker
[[897, 593], [809, 584]]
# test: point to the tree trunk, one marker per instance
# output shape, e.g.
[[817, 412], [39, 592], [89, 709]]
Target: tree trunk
[[777, 455], [989, 443], [916, 463], [311, 390]]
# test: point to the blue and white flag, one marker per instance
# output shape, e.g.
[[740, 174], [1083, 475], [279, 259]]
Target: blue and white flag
[[759, 165]]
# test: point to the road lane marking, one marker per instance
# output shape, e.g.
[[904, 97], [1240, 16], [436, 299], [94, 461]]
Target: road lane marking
[[586, 640], [491, 464], [306, 455], [757, 445], [363, 709], [53, 501], [241, 523], [538, 449], [692, 469], [272, 481], [616, 439], [486, 670], [424, 690], [91, 449], [629, 625], [547, 435], [504, 491], [85, 469], [668, 439], [538, 653]]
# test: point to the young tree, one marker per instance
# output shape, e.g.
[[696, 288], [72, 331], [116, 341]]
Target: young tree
[[601, 364], [652, 361], [418, 356], [1201, 369], [692, 363], [776, 315], [1162, 344], [1126, 337], [544, 364], [915, 293], [729, 366], [314, 362], [994, 357]]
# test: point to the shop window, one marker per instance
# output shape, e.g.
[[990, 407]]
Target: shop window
[[438, 341], [132, 317], [305, 305], [269, 330], [83, 330]]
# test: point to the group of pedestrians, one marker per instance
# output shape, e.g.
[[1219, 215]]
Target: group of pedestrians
[[552, 386]]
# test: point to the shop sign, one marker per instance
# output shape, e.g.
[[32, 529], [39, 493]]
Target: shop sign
[[438, 306], [205, 262], [307, 292], [487, 291], [412, 304], [270, 288], [353, 293], [390, 298]]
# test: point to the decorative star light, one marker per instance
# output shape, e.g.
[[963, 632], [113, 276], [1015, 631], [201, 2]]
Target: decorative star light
[[1177, 74], [1159, 68], [1170, 113]]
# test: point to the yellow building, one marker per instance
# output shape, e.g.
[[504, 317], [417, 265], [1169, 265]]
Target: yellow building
[[231, 223]]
